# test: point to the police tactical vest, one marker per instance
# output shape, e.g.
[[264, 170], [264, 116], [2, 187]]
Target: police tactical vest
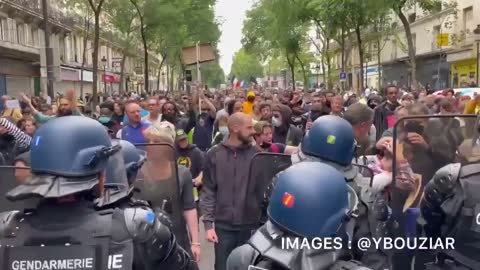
[[462, 217], [269, 253], [87, 246]]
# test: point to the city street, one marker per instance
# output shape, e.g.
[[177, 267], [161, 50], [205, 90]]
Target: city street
[[208, 255]]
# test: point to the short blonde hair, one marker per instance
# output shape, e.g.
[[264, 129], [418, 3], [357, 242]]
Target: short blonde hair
[[160, 134]]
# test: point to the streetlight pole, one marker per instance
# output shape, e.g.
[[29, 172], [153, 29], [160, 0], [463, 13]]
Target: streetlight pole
[[104, 62], [477, 39], [48, 50]]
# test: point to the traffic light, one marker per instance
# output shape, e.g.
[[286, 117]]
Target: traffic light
[[188, 75]]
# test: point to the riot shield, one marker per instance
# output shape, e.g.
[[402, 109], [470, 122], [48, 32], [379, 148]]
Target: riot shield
[[262, 170], [10, 178], [420, 146], [116, 185], [157, 182]]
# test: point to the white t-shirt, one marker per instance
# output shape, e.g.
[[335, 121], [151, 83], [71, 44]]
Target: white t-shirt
[[147, 120]]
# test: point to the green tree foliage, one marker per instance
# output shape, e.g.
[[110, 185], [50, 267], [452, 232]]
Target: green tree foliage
[[276, 26], [96, 7], [398, 7], [212, 74], [123, 20], [245, 66], [180, 23]]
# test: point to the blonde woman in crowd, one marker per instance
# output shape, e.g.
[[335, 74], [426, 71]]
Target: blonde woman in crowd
[[160, 166]]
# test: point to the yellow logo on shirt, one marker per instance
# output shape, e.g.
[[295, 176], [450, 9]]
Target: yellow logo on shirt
[[185, 161]]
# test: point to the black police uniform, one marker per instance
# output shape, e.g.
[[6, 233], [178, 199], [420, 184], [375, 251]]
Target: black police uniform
[[264, 250], [78, 236], [372, 218], [451, 208]]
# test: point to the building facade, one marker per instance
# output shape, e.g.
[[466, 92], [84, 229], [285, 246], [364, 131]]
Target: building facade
[[446, 50], [23, 60]]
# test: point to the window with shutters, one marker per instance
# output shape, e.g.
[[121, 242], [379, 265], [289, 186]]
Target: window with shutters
[[20, 34], [34, 37], [28, 35], [61, 48], [3, 23]]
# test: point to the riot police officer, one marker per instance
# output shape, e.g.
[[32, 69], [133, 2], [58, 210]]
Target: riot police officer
[[331, 140], [120, 175], [69, 156], [309, 201], [451, 208]]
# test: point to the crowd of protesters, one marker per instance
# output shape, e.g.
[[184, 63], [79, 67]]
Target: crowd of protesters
[[217, 134]]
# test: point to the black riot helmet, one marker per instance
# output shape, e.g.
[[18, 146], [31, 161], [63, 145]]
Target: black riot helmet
[[67, 156]]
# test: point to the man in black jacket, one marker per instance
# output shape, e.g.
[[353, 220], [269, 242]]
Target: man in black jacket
[[225, 199], [384, 116]]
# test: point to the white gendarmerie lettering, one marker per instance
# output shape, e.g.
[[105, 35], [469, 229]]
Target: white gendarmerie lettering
[[73, 264], [115, 261]]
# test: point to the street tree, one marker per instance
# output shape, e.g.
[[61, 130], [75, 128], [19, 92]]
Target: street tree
[[96, 8], [123, 20], [246, 66], [274, 26], [399, 6], [212, 74]]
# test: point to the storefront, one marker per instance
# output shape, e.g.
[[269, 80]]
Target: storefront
[[111, 82], [70, 79], [464, 73], [17, 76], [433, 71]]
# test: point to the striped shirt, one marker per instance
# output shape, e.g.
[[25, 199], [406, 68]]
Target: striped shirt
[[22, 139]]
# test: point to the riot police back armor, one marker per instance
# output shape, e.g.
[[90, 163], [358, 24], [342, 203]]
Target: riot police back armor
[[451, 207], [52, 240]]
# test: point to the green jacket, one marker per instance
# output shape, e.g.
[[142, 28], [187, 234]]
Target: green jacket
[[42, 118]]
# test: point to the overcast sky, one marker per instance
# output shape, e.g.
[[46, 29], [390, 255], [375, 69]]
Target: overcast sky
[[230, 13]]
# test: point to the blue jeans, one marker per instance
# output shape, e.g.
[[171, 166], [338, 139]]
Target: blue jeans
[[227, 242]]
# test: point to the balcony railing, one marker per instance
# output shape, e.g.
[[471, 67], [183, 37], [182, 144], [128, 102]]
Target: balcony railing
[[32, 5]]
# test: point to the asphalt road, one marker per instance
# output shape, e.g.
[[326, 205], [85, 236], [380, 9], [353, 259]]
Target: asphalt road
[[207, 259]]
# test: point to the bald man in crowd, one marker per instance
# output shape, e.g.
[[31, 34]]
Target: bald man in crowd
[[225, 200], [134, 130]]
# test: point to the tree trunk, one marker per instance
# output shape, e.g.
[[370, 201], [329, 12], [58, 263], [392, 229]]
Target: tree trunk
[[411, 48], [291, 65], [97, 9], [145, 55], [158, 78], [329, 67], [96, 43], [343, 56], [379, 65], [122, 73], [360, 54], [324, 74], [84, 51], [304, 72], [144, 41]]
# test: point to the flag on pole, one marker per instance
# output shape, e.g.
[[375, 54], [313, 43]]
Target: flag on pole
[[243, 84], [233, 80], [238, 84]]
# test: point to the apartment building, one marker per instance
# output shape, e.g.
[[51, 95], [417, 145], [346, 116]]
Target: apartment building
[[23, 61], [450, 63]]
